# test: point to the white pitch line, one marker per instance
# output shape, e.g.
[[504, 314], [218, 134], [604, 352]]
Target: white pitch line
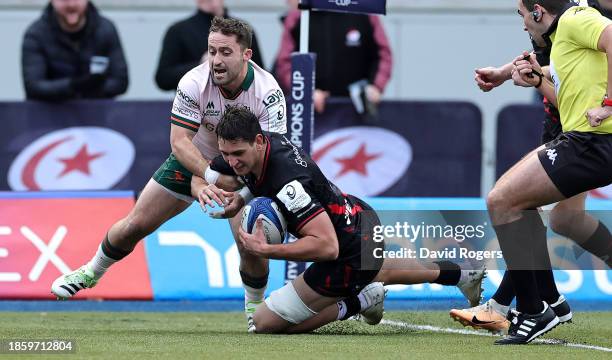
[[437, 329]]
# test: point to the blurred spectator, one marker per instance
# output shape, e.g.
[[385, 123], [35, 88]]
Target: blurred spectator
[[72, 52], [291, 5], [186, 42], [349, 48]]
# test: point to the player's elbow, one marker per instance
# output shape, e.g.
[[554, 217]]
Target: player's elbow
[[330, 251], [334, 253]]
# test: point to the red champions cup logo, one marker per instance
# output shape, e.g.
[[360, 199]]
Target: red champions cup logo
[[77, 158], [363, 161]]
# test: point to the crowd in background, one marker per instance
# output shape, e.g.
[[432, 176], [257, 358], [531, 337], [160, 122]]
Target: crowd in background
[[73, 52]]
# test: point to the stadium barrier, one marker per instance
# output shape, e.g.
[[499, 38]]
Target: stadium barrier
[[519, 130], [44, 234], [107, 145], [192, 256]]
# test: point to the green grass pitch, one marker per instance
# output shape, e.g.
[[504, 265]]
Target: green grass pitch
[[167, 335]]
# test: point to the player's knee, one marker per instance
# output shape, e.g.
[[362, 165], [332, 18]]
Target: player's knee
[[560, 222], [285, 308], [266, 323], [263, 325], [497, 200]]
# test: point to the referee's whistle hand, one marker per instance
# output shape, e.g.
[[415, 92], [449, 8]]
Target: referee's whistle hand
[[518, 79]]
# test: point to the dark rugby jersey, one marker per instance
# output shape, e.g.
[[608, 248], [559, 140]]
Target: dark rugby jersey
[[300, 189]]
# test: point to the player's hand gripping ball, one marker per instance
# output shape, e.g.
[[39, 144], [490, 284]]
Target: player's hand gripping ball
[[273, 221]]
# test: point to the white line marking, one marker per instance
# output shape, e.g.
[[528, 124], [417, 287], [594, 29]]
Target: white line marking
[[437, 329]]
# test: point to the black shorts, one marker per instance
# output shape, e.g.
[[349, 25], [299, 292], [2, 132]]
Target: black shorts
[[346, 278], [578, 161], [336, 279]]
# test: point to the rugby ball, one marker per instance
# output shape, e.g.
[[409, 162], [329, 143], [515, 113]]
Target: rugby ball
[[273, 221]]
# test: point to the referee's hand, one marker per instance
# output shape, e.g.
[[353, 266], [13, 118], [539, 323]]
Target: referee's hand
[[597, 115], [525, 70], [488, 78]]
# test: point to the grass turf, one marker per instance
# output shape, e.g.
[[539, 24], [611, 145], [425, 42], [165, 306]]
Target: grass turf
[[146, 335]]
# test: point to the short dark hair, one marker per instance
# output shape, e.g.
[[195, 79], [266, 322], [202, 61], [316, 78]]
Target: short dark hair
[[229, 26], [552, 6], [238, 123]]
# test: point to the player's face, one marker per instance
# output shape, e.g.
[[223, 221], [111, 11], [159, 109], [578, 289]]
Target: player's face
[[241, 155], [70, 13], [535, 29], [227, 60]]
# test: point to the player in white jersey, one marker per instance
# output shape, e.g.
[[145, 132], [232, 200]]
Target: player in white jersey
[[227, 77], [199, 104]]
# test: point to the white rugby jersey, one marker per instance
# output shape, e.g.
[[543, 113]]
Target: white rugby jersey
[[199, 104]]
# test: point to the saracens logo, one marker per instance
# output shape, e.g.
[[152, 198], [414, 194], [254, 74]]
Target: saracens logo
[[363, 161], [77, 158], [291, 192]]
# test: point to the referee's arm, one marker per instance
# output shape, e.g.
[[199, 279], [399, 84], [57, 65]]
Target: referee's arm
[[547, 89], [605, 45]]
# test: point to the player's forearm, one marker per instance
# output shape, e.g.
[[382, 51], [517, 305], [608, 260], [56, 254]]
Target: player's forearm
[[222, 181], [604, 44], [308, 248], [228, 183], [547, 89], [189, 156], [506, 70], [196, 184]]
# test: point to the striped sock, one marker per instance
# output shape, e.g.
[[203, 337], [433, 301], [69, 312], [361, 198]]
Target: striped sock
[[100, 263]]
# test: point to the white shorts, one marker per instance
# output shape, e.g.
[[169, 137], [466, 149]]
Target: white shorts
[[185, 198]]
